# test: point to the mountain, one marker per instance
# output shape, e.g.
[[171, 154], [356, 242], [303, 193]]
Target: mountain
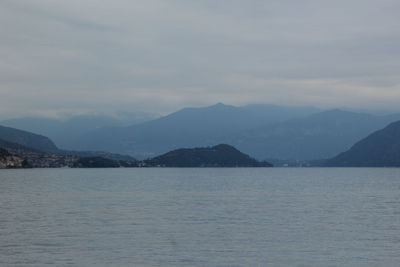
[[266, 132], [189, 127], [64, 131], [273, 113], [27, 139], [380, 149], [216, 156], [318, 136]]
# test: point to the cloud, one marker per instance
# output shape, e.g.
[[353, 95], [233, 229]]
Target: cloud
[[164, 55]]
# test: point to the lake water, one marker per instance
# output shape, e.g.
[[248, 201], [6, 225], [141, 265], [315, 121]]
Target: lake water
[[200, 217]]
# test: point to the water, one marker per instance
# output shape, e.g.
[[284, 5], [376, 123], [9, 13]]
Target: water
[[200, 217]]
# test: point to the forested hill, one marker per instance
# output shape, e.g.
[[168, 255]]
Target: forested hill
[[216, 156], [380, 149]]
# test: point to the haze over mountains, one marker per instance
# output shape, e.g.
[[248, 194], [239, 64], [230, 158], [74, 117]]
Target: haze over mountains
[[317, 136], [263, 131], [189, 127]]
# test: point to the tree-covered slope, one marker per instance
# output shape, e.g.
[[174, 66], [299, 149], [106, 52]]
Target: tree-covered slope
[[27, 139], [380, 149], [96, 162], [4, 153], [216, 156]]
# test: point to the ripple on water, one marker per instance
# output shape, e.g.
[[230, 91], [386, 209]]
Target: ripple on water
[[200, 217]]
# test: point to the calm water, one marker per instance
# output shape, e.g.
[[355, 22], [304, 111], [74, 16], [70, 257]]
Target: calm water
[[200, 217]]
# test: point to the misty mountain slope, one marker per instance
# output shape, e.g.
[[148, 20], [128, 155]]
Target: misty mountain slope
[[318, 136], [14, 146], [15, 139], [380, 149], [64, 132], [274, 113], [24, 138], [189, 127]]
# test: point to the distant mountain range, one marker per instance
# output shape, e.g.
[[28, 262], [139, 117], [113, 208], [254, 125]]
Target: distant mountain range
[[380, 149], [189, 127], [265, 132], [288, 136], [317, 136]]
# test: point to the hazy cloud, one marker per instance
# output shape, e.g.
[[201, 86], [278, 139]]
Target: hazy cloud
[[160, 55]]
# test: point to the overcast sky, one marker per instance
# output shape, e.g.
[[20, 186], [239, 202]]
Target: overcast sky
[[161, 55]]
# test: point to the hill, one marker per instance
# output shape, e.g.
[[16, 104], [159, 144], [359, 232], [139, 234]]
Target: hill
[[380, 149], [216, 156]]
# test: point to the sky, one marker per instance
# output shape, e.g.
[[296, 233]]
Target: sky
[[157, 56]]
